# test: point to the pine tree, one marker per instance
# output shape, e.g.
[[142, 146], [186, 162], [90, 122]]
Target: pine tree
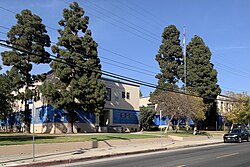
[[201, 76], [169, 58], [76, 86], [28, 34], [6, 96]]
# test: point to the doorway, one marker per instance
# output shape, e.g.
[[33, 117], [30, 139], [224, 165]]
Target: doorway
[[104, 118]]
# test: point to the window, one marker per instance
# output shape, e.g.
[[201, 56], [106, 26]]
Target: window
[[123, 95], [116, 99], [108, 94], [221, 106], [120, 115], [128, 95]]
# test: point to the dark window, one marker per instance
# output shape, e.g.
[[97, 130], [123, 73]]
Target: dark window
[[108, 94], [121, 115], [128, 95], [123, 95], [116, 99], [125, 115]]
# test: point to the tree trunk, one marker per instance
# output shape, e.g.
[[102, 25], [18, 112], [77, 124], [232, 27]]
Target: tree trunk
[[195, 127], [187, 126], [27, 119], [177, 126], [70, 123], [169, 121]]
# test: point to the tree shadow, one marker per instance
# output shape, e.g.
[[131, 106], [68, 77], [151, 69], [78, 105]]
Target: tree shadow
[[23, 139], [105, 140], [51, 119]]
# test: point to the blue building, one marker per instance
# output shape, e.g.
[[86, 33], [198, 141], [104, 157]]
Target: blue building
[[120, 113]]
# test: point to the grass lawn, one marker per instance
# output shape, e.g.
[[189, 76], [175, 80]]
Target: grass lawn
[[179, 133], [19, 139], [182, 133], [9, 138]]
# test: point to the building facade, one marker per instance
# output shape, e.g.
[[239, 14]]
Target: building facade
[[120, 112], [224, 105]]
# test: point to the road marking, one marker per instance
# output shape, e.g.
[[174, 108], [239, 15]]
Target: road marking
[[227, 155], [180, 165]]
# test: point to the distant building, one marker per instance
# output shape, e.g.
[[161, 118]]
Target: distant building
[[163, 121], [120, 112], [224, 104]]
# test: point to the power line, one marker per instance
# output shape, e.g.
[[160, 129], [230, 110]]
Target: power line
[[120, 55], [140, 13], [68, 63], [142, 72], [55, 43], [125, 24], [148, 12], [155, 36], [123, 64], [110, 59], [229, 89], [128, 65], [129, 58], [3, 33], [124, 29], [129, 69], [7, 10], [117, 76]]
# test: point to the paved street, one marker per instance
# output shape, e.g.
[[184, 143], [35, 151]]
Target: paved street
[[229, 154], [65, 153]]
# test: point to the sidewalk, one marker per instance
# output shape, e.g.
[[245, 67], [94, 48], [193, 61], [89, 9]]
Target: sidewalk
[[57, 153]]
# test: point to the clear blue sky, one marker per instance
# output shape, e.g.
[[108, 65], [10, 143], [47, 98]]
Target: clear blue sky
[[132, 30]]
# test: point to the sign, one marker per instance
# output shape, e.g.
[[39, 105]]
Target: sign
[[29, 102]]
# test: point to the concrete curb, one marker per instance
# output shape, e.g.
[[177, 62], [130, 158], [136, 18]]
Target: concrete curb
[[67, 161]]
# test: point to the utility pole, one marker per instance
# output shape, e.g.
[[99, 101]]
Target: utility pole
[[184, 59], [33, 131]]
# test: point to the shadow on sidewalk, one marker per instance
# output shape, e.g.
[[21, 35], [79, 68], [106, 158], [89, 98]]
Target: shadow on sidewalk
[[73, 152], [96, 140]]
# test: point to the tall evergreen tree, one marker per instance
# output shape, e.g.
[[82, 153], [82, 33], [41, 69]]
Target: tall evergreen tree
[[28, 34], [77, 86], [169, 58], [201, 75], [6, 96]]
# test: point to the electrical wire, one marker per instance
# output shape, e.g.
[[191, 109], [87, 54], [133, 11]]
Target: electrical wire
[[15, 13], [113, 75]]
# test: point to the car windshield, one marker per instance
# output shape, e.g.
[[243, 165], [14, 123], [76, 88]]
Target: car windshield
[[235, 131]]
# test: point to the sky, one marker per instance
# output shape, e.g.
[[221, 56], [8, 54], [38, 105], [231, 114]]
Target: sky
[[128, 33]]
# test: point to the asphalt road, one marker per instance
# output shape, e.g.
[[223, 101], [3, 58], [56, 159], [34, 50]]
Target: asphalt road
[[222, 155]]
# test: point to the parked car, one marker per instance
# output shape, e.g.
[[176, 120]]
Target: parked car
[[237, 134]]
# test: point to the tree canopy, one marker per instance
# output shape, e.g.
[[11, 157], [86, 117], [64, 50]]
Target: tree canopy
[[238, 111], [146, 117], [6, 96], [201, 75], [169, 58], [30, 35], [77, 85]]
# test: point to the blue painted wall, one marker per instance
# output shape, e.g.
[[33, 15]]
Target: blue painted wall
[[121, 116], [164, 121], [12, 119], [48, 114]]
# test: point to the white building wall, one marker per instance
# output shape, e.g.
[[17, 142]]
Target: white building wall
[[117, 101]]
